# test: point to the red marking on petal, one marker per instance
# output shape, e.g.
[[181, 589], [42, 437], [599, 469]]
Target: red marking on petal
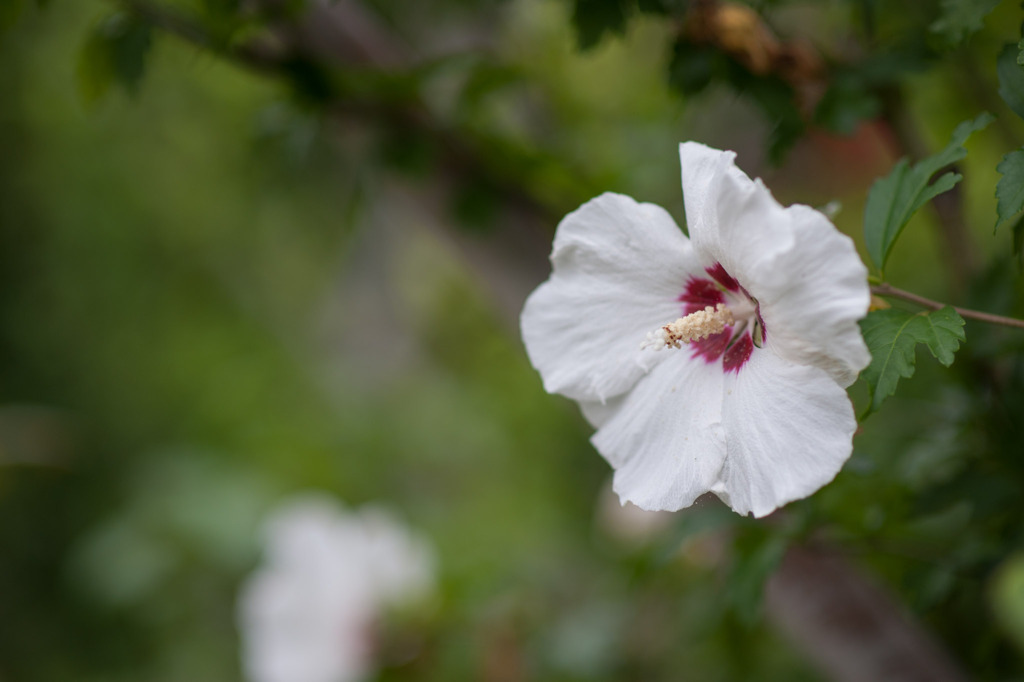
[[760, 320], [738, 354], [712, 347], [701, 293], [723, 277]]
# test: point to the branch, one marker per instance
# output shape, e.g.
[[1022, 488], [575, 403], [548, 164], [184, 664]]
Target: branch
[[342, 34], [257, 55], [893, 292]]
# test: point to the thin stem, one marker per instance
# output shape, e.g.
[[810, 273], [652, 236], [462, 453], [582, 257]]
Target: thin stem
[[891, 291]]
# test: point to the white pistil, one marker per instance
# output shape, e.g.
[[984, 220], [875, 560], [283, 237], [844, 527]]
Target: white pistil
[[697, 325]]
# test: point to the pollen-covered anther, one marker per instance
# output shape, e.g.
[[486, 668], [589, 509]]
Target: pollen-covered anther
[[697, 325]]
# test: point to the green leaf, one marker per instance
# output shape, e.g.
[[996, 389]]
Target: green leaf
[[894, 199], [961, 18], [693, 67], [114, 53], [892, 336], [594, 18], [845, 104], [1010, 190], [1011, 78], [1018, 241]]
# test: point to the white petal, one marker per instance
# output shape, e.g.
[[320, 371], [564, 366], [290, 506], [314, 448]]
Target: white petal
[[306, 615], [291, 631], [812, 317], [807, 276], [618, 269], [665, 440], [597, 413], [789, 430], [400, 563], [727, 213]]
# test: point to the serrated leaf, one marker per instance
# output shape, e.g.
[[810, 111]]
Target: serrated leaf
[[1011, 78], [942, 331], [961, 18], [892, 336], [1018, 241], [895, 198], [1010, 189]]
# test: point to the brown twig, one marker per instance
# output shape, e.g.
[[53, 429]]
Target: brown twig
[[893, 292]]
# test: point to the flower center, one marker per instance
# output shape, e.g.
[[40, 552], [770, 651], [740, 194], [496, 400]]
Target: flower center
[[699, 324], [720, 320]]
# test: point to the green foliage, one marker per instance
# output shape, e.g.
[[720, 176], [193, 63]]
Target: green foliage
[[892, 336], [961, 18], [1011, 78], [778, 102], [1010, 189], [654, 6], [115, 52], [476, 205], [484, 79], [693, 67], [846, 103], [1006, 595], [855, 90], [894, 199], [220, 7], [1018, 241], [595, 18], [759, 555]]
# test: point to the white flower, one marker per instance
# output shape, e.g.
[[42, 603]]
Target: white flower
[[715, 363], [307, 614]]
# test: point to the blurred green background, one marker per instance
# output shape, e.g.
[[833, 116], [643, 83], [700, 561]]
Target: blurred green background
[[217, 290]]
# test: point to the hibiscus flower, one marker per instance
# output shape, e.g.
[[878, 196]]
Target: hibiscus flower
[[308, 614], [717, 362]]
